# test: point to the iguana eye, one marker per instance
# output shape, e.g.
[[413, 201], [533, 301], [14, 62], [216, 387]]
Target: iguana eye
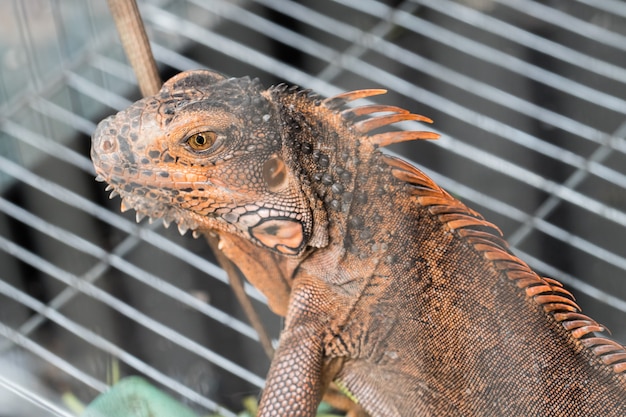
[[201, 141]]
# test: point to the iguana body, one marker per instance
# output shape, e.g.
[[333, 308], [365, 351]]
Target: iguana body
[[389, 285]]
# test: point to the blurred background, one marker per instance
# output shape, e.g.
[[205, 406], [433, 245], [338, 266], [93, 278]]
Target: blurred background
[[530, 99]]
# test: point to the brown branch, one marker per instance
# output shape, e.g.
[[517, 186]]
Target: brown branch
[[136, 44]]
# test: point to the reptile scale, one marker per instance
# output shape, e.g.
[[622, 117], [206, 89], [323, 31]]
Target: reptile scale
[[392, 288]]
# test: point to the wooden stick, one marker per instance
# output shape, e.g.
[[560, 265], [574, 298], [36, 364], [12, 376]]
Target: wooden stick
[[236, 283], [136, 44]]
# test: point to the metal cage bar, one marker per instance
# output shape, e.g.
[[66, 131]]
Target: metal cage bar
[[530, 99]]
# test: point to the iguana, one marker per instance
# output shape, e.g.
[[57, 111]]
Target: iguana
[[409, 300]]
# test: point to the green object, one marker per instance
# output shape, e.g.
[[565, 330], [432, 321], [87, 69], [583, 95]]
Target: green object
[[346, 391], [135, 397]]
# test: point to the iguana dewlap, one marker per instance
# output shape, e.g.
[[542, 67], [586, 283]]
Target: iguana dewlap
[[389, 285]]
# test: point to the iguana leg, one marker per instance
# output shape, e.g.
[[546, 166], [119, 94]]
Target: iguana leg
[[294, 385], [262, 272], [297, 378]]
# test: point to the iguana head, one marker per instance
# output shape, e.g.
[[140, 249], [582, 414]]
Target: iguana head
[[206, 153], [223, 154]]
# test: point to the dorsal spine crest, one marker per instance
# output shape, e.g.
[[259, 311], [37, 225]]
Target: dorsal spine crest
[[487, 240]]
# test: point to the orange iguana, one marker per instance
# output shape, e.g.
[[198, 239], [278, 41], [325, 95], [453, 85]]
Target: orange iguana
[[391, 287]]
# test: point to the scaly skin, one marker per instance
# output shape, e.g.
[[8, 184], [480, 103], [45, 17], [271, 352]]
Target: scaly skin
[[389, 285]]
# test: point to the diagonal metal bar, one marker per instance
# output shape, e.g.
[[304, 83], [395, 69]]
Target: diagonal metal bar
[[492, 55], [567, 22], [115, 258], [552, 202], [27, 394], [128, 311], [105, 345], [58, 192]]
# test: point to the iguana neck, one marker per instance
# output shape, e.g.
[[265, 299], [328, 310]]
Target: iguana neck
[[329, 157]]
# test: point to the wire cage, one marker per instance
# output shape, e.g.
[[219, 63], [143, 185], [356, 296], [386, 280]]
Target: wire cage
[[529, 96]]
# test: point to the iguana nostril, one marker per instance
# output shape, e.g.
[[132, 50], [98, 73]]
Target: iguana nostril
[[108, 146]]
